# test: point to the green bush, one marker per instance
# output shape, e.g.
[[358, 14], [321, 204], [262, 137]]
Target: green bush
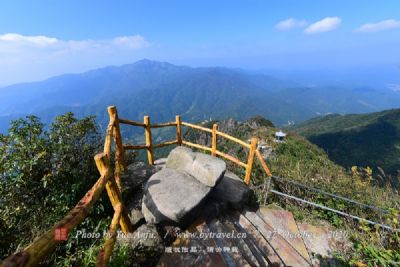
[[44, 172]]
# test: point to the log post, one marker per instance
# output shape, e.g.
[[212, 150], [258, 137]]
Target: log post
[[119, 153], [178, 130], [149, 144], [103, 165], [214, 140], [253, 148]]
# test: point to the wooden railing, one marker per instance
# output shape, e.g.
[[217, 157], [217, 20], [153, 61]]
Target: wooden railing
[[110, 179], [149, 146]]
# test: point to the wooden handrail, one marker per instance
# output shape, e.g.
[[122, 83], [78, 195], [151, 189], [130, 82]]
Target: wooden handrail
[[134, 147], [231, 158], [263, 164], [194, 126], [168, 143], [234, 139], [161, 125], [133, 123], [187, 143]]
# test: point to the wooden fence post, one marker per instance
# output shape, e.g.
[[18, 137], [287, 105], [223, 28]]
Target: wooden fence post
[[178, 130], [253, 148], [119, 153], [103, 165], [214, 140], [149, 143]]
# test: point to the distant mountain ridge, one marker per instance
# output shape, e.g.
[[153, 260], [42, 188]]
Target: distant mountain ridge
[[371, 139], [162, 90]]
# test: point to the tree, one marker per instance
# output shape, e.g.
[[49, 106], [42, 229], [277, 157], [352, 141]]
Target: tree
[[43, 173]]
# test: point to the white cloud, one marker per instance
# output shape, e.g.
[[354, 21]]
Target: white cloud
[[19, 39], [290, 23], [379, 26], [325, 25], [25, 58], [394, 87]]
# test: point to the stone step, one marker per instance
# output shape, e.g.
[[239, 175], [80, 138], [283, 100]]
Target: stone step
[[285, 225], [282, 247]]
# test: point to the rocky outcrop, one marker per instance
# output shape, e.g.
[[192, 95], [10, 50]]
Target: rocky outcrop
[[176, 193], [173, 196], [205, 168]]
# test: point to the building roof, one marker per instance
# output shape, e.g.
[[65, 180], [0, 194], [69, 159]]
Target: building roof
[[280, 134]]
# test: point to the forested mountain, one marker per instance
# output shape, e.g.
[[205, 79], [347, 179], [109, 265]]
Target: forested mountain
[[371, 139], [163, 90]]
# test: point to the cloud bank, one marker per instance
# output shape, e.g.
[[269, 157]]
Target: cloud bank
[[379, 26], [51, 56], [325, 25]]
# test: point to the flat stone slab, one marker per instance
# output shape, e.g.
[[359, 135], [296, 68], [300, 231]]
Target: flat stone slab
[[205, 168], [173, 196]]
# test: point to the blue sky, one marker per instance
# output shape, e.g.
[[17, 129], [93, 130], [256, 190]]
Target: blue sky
[[39, 39]]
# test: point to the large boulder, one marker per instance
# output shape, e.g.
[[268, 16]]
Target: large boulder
[[173, 196], [230, 192], [205, 168]]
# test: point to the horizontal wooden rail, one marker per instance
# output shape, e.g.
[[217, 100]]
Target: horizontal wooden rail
[[130, 122], [197, 127], [42, 246], [168, 143], [196, 145], [160, 125], [105, 253], [227, 136], [231, 158], [134, 147]]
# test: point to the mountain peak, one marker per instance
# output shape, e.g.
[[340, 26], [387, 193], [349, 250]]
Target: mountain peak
[[148, 64]]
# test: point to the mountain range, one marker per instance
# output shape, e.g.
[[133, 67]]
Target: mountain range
[[162, 90]]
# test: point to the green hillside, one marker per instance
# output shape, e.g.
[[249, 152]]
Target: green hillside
[[299, 160], [359, 139], [162, 90]]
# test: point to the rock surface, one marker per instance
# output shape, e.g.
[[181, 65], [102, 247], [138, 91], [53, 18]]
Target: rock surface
[[205, 168], [133, 181], [231, 191], [173, 196]]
